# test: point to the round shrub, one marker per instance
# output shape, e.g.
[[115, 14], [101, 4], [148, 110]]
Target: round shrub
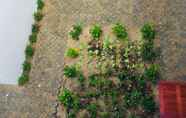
[[148, 31], [72, 52], [76, 31], [23, 79], [96, 31], [120, 31], [70, 71]]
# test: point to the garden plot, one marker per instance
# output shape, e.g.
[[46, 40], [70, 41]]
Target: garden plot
[[109, 75]]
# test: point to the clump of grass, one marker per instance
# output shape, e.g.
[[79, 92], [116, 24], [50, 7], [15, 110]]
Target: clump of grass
[[70, 71], [120, 31], [40, 4], [96, 31], [92, 108], [38, 16], [148, 31], [72, 52], [76, 31], [149, 104], [147, 51], [152, 72], [33, 38], [35, 28], [68, 99], [26, 66], [23, 79], [29, 51]]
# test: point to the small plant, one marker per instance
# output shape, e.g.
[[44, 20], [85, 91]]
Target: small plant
[[147, 51], [40, 4], [76, 31], [108, 43], [92, 108], [68, 99], [38, 16], [81, 78], [26, 66], [132, 99], [120, 31], [70, 71], [96, 31], [29, 51], [152, 72], [35, 28], [148, 31], [33, 38], [23, 79], [72, 52], [149, 104]]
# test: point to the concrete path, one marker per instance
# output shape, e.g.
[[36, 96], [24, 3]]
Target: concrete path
[[38, 98]]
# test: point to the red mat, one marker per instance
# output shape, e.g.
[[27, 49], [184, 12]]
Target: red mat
[[172, 97]]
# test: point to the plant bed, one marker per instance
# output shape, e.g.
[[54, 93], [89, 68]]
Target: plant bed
[[109, 77]]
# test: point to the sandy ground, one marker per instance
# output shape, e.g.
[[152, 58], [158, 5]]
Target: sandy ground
[[38, 98]]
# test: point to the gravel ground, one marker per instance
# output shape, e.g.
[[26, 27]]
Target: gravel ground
[[38, 98]]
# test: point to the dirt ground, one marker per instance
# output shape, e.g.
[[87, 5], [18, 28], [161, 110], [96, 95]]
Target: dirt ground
[[38, 98]]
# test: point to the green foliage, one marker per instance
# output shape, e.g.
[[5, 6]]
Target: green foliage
[[76, 31], [35, 28], [68, 99], [40, 4], [70, 71], [132, 99], [81, 78], [149, 104], [152, 72], [120, 31], [23, 79], [71, 114], [92, 108], [26, 66], [96, 31], [33, 38], [38, 16], [72, 52], [147, 51], [29, 51], [148, 31]]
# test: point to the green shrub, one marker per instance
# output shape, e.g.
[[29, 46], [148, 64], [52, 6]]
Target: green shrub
[[33, 38], [149, 104], [26, 66], [148, 31], [76, 31], [72, 52], [120, 31], [29, 51], [132, 99], [147, 51], [92, 108], [70, 71], [23, 79], [68, 99], [38, 16], [35, 28], [81, 78], [96, 31], [152, 72], [40, 4]]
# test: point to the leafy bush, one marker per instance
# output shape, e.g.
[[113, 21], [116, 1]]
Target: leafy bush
[[120, 31], [96, 31], [149, 104], [92, 108], [147, 51], [38, 16], [35, 28], [40, 4], [29, 51], [81, 78], [76, 31], [148, 31], [70, 71], [152, 72], [26, 66], [33, 38], [72, 52], [132, 99], [23, 79], [68, 99]]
